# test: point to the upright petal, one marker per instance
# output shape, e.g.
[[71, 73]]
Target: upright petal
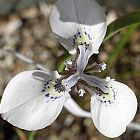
[[77, 22], [113, 111], [32, 100], [82, 59]]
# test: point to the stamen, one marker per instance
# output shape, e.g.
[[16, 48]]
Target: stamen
[[95, 67], [81, 92], [102, 66], [68, 64]]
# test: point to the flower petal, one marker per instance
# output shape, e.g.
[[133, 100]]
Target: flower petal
[[106, 119], [95, 81], [82, 59], [112, 112], [126, 101], [70, 81], [76, 22], [32, 100], [22, 88]]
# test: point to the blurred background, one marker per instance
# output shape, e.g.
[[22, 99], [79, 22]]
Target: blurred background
[[24, 28]]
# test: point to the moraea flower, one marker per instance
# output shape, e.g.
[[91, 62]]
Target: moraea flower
[[113, 104], [33, 99]]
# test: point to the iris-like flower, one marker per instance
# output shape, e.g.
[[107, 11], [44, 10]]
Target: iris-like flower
[[33, 99], [113, 104]]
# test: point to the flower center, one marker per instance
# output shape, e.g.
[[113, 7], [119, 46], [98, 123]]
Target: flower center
[[82, 38], [53, 89]]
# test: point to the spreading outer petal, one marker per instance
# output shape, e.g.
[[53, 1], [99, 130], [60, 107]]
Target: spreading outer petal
[[78, 21], [111, 116], [23, 87], [30, 100], [106, 120], [126, 101]]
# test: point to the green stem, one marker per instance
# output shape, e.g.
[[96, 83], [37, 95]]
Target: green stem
[[31, 135]]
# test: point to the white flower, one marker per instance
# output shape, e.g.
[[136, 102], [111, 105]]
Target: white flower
[[80, 25], [78, 22], [33, 99], [113, 105]]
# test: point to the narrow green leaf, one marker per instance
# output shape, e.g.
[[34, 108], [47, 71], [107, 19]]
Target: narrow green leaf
[[121, 44], [121, 23]]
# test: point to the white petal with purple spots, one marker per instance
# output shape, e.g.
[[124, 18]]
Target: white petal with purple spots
[[33, 100], [78, 22]]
